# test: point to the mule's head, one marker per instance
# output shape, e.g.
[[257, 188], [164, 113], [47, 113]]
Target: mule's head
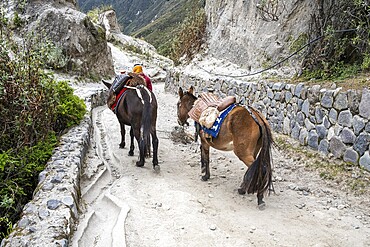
[[111, 95], [184, 105], [120, 81]]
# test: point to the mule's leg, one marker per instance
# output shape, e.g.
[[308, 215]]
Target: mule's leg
[[244, 185], [136, 130], [261, 203], [204, 153], [132, 146], [141, 160], [123, 133], [247, 159], [155, 143]]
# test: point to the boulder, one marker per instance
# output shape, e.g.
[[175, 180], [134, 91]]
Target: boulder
[[336, 147], [109, 20], [83, 43], [364, 104]]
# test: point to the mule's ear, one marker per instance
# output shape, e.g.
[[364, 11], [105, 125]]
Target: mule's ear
[[107, 84], [181, 93], [191, 90]]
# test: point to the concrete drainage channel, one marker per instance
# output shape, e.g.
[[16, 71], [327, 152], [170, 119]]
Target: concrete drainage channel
[[48, 219], [97, 202]]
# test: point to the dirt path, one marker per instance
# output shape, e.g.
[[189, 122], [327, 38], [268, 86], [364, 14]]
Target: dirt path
[[127, 205]]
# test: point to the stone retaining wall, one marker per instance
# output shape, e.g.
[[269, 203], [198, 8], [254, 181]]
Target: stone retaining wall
[[49, 218], [332, 121]]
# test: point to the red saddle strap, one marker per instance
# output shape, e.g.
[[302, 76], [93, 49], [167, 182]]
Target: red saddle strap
[[113, 107]]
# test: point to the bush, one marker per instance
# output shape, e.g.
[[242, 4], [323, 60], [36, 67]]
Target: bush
[[18, 179], [70, 109], [345, 44], [365, 66], [95, 13], [31, 101], [34, 110], [190, 37], [27, 100]]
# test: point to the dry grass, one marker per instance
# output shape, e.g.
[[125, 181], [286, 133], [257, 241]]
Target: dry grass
[[357, 82], [349, 177]]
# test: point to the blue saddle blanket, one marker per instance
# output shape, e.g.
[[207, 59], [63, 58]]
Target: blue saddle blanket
[[213, 131]]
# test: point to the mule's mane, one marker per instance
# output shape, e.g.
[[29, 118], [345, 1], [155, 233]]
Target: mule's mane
[[191, 95]]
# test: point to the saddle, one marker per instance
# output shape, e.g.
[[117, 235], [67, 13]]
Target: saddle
[[121, 83], [130, 79], [207, 108]]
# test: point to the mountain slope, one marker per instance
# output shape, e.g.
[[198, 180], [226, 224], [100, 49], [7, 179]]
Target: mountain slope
[[133, 15], [155, 21]]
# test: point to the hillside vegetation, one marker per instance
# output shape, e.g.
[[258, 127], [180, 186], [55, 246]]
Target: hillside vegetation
[[133, 15], [177, 29], [157, 22], [343, 46], [35, 110]]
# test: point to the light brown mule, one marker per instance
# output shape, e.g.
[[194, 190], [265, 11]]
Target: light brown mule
[[247, 133]]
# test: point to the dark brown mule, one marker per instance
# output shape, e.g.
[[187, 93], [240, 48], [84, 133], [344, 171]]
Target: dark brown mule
[[249, 138], [137, 108]]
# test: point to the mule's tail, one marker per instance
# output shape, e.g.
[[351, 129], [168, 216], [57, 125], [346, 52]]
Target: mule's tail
[[258, 177], [146, 121]]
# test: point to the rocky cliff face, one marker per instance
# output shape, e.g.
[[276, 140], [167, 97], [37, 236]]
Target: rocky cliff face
[[254, 35], [83, 43]]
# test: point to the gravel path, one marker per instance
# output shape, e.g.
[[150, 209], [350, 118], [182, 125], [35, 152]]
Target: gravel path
[[127, 205]]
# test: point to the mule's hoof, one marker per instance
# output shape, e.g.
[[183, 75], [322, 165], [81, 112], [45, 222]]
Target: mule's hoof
[[156, 168], [131, 153], [122, 145], [241, 191], [262, 206], [205, 178], [139, 164]]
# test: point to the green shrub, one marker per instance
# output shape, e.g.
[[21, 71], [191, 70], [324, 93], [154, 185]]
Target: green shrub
[[70, 109], [17, 21], [56, 58], [94, 13], [345, 39], [18, 178], [190, 37], [366, 62], [34, 108], [27, 101], [31, 101], [338, 71]]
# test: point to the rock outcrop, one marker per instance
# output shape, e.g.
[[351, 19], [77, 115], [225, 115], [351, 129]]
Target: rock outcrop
[[83, 43], [240, 32], [109, 21], [142, 52]]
